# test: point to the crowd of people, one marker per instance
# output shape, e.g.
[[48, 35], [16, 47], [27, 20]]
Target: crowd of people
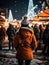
[[42, 36], [26, 39]]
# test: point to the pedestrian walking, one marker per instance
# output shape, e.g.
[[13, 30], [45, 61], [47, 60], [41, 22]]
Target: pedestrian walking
[[24, 43], [36, 33], [11, 34]]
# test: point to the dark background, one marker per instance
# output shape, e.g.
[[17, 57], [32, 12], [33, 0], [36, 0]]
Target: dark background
[[19, 7]]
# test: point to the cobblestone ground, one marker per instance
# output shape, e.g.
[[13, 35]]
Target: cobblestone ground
[[8, 58]]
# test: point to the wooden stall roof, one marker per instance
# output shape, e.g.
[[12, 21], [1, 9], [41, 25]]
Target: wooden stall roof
[[44, 15]]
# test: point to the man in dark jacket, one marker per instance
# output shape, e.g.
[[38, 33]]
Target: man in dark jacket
[[36, 32], [10, 33]]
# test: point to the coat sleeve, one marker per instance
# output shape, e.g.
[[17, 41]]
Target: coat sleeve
[[34, 42]]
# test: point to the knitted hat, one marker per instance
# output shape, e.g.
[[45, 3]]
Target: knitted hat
[[25, 22]]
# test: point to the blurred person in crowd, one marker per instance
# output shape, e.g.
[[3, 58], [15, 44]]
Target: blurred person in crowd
[[36, 32], [41, 28], [11, 34], [24, 43], [46, 40], [2, 35], [41, 32]]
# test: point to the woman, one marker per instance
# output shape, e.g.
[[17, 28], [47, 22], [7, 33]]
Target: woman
[[24, 43]]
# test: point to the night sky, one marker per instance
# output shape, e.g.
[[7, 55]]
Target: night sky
[[19, 7]]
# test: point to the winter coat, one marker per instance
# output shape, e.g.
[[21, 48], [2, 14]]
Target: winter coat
[[24, 43]]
